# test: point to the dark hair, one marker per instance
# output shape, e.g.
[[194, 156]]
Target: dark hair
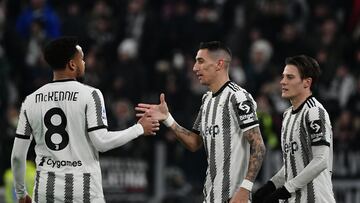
[[307, 66], [215, 46], [59, 51]]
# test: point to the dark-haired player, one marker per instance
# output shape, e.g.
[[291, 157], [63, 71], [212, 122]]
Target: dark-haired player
[[68, 122], [226, 125], [306, 141]]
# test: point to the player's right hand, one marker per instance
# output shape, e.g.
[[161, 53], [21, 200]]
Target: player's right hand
[[149, 124], [260, 195], [26, 199], [159, 112]]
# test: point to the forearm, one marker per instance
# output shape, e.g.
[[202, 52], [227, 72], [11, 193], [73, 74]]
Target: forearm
[[104, 140], [188, 138], [18, 165], [311, 171], [279, 178], [257, 152]]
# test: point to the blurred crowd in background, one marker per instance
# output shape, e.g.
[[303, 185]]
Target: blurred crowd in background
[[136, 49]]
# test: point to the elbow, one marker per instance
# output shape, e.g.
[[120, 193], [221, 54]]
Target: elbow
[[194, 147], [322, 163], [101, 149]]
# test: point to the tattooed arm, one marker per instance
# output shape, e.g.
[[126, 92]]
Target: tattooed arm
[[189, 139], [257, 152]]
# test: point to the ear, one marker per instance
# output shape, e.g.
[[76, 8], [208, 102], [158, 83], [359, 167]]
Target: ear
[[307, 82], [220, 64], [72, 65]]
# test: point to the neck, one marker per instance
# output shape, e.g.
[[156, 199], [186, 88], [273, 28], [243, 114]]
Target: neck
[[215, 86], [62, 75], [297, 101]]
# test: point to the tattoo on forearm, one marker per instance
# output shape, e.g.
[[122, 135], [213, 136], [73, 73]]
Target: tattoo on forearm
[[181, 130], [257, 152]]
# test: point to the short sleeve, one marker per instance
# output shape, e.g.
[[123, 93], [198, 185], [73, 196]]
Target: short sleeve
[[96, 112], [23, 129], [318, 126], [245, 110]]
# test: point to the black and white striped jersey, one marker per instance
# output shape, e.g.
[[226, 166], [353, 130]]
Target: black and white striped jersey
[[58, 116], [309, 125], [222, 119]]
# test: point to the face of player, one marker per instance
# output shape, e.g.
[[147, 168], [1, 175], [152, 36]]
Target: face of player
[[292, 86], [79, 62], [205, 67]]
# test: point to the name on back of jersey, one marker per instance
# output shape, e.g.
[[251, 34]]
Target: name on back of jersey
[[56, 96]]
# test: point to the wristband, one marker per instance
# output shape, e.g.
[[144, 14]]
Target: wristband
[[247, 184], [169, 121]]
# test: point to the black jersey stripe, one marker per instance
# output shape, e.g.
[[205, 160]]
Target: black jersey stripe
[[69, 188], [86, 187], [96, 128], [28, 128], [213, 168], [292, 157], [36, 188], [306, 156], [206, 141], [226, 122], [50, 188], [98, 108], [26, 137], [284, 134]]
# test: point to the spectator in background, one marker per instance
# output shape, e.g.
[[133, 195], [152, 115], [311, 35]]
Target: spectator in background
[[259, 66], [38, 10]]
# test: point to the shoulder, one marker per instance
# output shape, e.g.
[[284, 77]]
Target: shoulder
[[238, 93]]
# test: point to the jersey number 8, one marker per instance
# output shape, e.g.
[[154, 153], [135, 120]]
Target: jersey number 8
[[54, 129]]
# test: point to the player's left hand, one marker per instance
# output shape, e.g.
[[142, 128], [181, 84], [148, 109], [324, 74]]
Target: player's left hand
[[241, 196], [280, 193]]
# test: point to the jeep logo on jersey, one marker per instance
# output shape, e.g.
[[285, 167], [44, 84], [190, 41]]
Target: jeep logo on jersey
[[291, 147], [315, 127], [212, 130]]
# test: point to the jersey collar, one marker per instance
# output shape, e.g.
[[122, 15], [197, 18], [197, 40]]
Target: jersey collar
[[221, 89], [63, 80], [301, 106]]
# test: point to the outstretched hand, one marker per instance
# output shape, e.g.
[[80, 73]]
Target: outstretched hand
[[156, 111]]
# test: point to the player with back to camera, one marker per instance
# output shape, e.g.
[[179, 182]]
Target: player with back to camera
[[227, 126], [67, 120], [306, 141]]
